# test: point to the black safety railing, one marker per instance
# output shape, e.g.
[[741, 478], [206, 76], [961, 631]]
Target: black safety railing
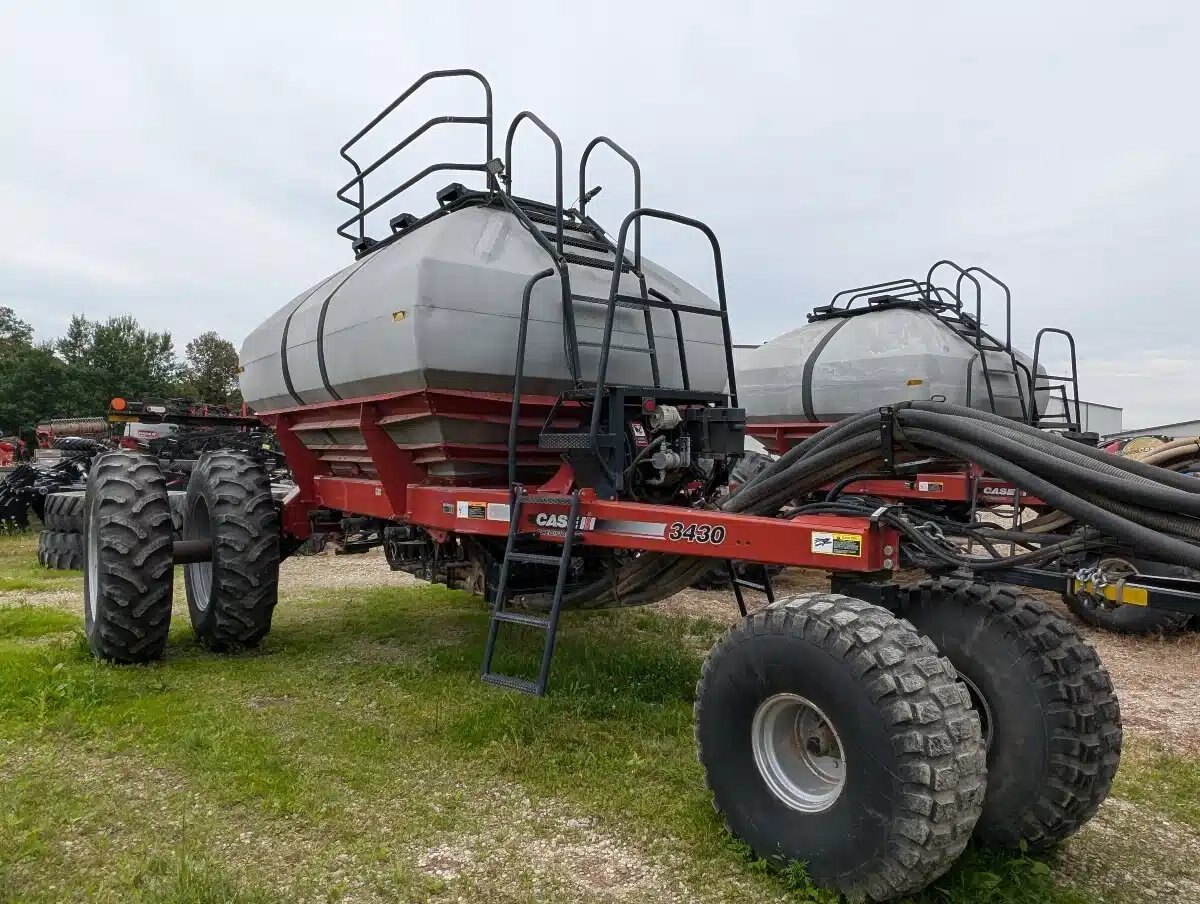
[[507, 177], [358, 184], [948, 305], [614, 295], [637, 188], [1052, 419], [514, 420], [555, 249]]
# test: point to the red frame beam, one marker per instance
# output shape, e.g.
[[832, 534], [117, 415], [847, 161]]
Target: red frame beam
[[831, 542], [390, 482]]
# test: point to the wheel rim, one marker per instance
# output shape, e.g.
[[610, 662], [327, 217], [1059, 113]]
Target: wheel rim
[[198, 526], [979, 701], [798, 753]]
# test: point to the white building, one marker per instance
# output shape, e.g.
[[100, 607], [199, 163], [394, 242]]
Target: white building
[[1173, 431]]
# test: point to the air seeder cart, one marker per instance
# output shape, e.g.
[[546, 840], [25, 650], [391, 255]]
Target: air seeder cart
[[895, 343], [516, 403]]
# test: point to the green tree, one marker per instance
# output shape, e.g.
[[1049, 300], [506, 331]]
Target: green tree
[[13, 330], [210, 371], [116, 357], [32, 384]]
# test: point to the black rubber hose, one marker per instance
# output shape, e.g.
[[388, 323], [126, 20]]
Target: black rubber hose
[[809, 446], [1187, 528], [1065, 469], [1169, 549], [1141, 469]]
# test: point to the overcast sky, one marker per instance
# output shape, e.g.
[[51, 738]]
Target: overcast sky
[[178, 161]]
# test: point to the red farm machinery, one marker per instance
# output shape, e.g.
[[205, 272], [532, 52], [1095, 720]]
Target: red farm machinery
[[512, 401]]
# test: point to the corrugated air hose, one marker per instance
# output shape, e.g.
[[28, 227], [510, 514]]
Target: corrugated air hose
[[1153, 510]]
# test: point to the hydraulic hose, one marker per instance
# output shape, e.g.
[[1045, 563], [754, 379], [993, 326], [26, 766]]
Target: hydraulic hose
[[1153, 510], [1127, 464], [1067, 467], [1143, 539]]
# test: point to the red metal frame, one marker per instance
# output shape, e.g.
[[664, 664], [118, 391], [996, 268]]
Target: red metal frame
[[959, 485], [377, 477]]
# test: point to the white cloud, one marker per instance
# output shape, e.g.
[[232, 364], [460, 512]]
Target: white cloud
[[179, 162]]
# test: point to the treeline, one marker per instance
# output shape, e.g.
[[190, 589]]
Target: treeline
[[78, 374]]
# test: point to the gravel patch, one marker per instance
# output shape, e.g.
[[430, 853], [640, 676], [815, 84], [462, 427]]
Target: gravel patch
[[329, 571], [1157, 678], [1102, 859], [66, 600]]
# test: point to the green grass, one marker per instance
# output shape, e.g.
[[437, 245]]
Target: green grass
[[360, 737], [1160, 779], [19, 568]]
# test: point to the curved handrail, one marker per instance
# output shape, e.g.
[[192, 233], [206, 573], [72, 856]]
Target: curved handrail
[[614, 290], [360, 174], [1030, 414], [963, 274], [861, 291], [1074, 377], [637, 187], [1007, 302], [558, 167], [519, 372]]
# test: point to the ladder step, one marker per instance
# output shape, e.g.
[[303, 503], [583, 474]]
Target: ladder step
[[622, 348], [511, 682], [534, 558], [750, 585], [597, 262], [575, 241], [522, 618], [623, 301], [588, 393], [573, 440], [548, 219]]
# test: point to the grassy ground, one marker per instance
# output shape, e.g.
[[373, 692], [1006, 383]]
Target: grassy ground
[[357, 757]]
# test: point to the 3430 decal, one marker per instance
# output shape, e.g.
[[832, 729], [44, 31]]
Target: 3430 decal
[[696, 533]]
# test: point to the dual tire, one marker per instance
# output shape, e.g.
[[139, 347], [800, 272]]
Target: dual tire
[[871, 747], [128, 555], [1050, 715], [232, 598]]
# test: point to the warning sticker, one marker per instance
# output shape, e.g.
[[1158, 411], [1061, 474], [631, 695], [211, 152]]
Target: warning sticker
[[832, 544], [476, 510], [929, 486]]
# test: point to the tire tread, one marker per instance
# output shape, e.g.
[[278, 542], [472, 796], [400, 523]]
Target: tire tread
[[936, 733]]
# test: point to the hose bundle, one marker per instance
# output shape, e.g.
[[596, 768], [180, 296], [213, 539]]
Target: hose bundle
[[1150, 509]]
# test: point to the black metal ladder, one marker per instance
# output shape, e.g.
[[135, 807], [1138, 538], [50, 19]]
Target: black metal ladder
[[1063, 421], [501, 614], [971, 329], [766, 588]]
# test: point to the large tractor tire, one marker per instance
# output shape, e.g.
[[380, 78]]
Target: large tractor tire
[[1130, 619], [231, 599], [832, 733], [128, 566], [1051, 718], [60, 550], [65, 512]]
